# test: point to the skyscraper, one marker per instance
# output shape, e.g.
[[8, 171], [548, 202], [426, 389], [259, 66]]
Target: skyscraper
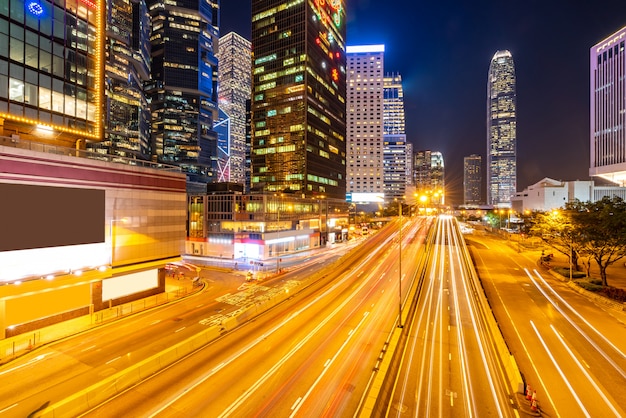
[[429, 171], [472, 180], [395, 146], [299, 97], [127, 117], [501, 131], [607, 137], [365, 122], [52, 89], [235, 83], [183, 90]]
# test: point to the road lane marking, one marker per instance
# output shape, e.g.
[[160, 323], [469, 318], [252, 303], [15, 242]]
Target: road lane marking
[[582, 369], [567, 382], [112, 360]]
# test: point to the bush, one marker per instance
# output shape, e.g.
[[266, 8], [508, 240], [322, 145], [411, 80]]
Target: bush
[[596, 281], [589, 286], [614, 293], [564, 271]]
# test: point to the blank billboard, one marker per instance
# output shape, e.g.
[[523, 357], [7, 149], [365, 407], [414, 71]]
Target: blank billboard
[[33, 216]]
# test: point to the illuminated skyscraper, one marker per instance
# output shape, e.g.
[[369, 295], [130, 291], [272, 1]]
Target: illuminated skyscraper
[[429, 171], [365, 123], [235, 83], [472, 179], [395, 150], [501, 131], [299, 97], [393, 105], [608, 108], [51, 71], [127, 117], [183, 90]]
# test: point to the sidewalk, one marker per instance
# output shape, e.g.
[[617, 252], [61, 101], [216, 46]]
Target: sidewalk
[[14, 347]]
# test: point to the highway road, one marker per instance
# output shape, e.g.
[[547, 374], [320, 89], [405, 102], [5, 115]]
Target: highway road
[[570, 350], [314, 355], [450, 367], [327, 310], [56, 371]]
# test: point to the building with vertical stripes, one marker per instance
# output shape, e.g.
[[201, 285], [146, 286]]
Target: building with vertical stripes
[[396, 155], [235, 84], [607, 136], [299, 98], [183, 87], [365, 123], [472, 180], [501, 131]]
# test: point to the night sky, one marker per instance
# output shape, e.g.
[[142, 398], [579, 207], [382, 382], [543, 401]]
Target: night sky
[[443, 49]]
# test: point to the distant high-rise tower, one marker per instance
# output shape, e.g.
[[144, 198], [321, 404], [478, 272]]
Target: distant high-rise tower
[[395, 145], [607, 140], [365, 122], [472, 180], [501, 131], [429, 172], [183, 90], [235, 83], [299, 97]]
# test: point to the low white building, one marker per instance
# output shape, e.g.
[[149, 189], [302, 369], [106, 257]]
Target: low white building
[[548, 194]]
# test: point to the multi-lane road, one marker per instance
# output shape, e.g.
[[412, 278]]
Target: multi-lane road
[[319, 352], [570, 349], [450, 366]]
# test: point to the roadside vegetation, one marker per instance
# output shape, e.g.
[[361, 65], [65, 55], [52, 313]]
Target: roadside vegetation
[[585, 233]]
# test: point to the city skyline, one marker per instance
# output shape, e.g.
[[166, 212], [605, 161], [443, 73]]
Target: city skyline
[[445, 107]]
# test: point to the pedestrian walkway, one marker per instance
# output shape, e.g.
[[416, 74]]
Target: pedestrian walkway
[[176, 287]]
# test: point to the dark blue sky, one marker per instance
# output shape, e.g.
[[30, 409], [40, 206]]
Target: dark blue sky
[[443, 49]]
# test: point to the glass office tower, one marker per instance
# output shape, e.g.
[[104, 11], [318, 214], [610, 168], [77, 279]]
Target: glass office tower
[[472, 179], [51, 78], [183, 90], [127, 116], [607, 137], [235, 83], [501, 131], [299, 97], [395, 148]]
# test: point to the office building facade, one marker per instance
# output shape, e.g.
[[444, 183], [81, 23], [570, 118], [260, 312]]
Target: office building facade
[[235, 84], [472, 180], [299, 97], [429, 173], [51, 78], [127, 116], [365, 123], [607, 137], [183, 86], [501, 130], [395, 149]]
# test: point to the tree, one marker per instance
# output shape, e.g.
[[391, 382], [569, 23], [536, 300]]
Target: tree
[[556, 229], [601, 229]]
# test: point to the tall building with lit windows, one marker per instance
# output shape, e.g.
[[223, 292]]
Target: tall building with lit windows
[[183, 87], [235, 83], [51, 63], [472, 180], [395, 151], [127, 116], [365, 123], [607, 136], [429, 172], [299, 97], [501, 131]]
